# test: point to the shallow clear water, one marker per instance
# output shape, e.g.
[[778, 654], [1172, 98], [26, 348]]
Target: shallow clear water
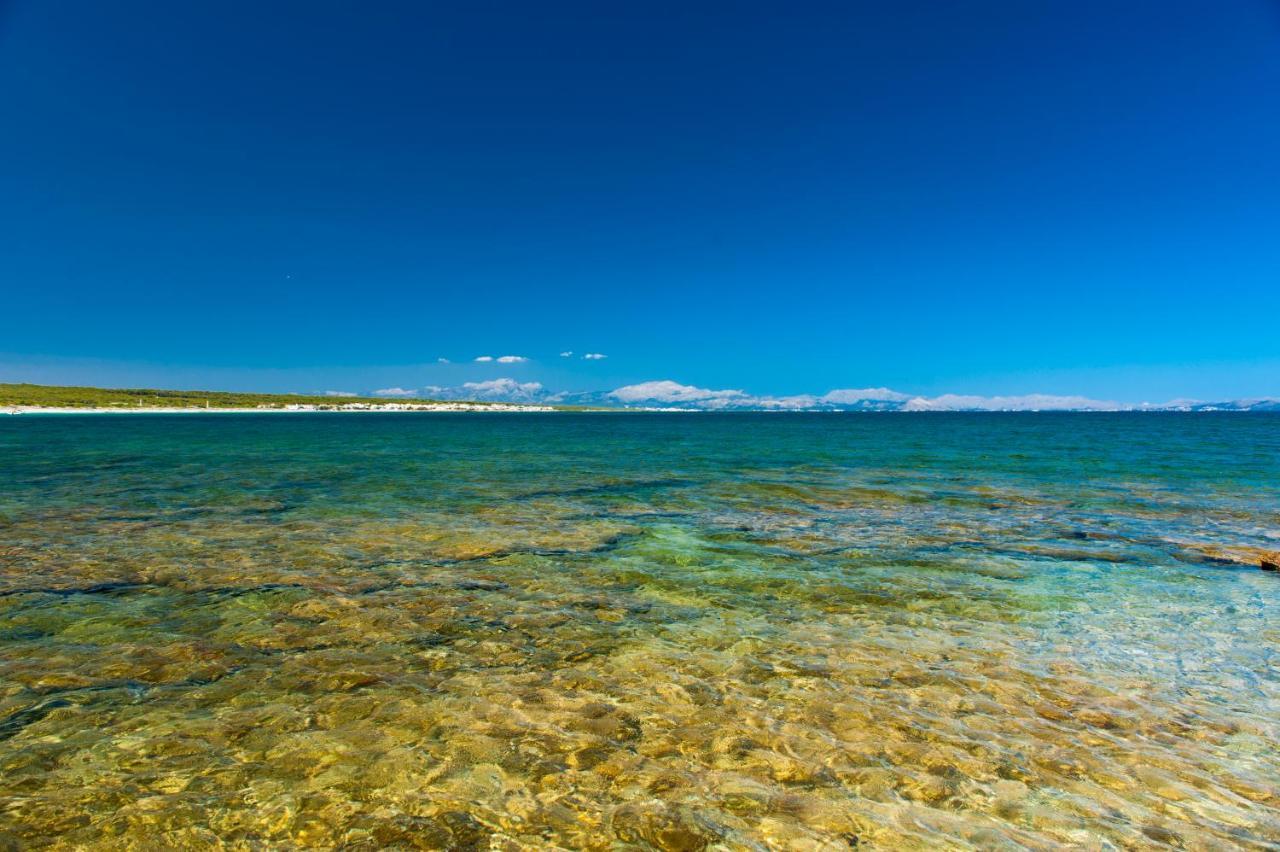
[[740, 631]]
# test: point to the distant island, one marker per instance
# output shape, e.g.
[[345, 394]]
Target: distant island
[[24, 398]]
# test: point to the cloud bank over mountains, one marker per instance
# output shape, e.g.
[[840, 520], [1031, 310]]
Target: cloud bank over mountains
[[494, 390], [671, 395], [677, 394], [850, 399]]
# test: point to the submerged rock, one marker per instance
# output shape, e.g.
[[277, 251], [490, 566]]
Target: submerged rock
[[425, 655], [660, 826], [1267, 560]]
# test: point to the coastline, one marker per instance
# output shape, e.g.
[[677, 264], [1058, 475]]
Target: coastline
[[289, 409]]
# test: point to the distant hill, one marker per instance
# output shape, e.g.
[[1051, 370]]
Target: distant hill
[[668, 396], [56, 396]]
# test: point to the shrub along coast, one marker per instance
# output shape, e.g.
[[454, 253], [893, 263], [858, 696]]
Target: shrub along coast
[[26, 397]]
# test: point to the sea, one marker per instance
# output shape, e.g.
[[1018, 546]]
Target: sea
[[674, 631]]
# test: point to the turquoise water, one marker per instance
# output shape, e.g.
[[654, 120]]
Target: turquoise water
[[737, 631]]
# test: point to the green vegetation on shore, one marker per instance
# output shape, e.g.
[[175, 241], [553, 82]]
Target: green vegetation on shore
[[53, 396]]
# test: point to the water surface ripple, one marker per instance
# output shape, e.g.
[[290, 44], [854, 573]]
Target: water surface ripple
[[738, 631]]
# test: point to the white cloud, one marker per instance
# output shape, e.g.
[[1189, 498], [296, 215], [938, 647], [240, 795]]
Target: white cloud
[[786, 403], [568, 353], [594, 356], [847, 396], [502, 385], [1027, 402], [502, 389], [484, 359], [443, 361], [339, 393], [512, 359], [493, 390], [669, 391], [673, 392]]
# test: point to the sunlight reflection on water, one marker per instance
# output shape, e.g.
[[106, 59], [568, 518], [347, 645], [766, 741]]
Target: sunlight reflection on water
[[744, 631]]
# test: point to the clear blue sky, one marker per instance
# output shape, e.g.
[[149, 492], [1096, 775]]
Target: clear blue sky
[[983, 197]]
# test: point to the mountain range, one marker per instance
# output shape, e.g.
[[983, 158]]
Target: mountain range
[[667, 395]]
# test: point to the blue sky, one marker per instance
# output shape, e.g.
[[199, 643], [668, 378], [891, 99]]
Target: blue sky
[[987, 197]]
